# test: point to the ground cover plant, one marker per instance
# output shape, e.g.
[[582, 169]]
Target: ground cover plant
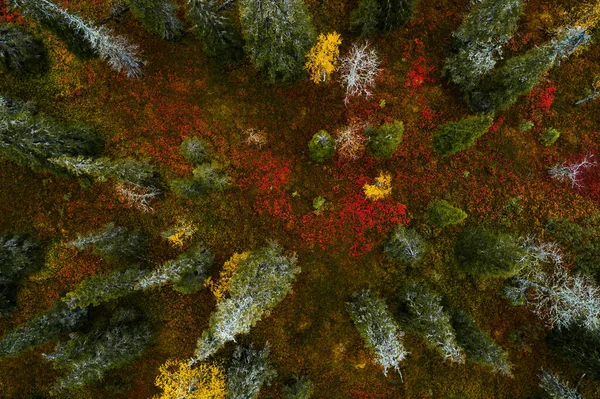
[[299, 199]]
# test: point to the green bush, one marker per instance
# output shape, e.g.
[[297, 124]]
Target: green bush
[[321, 146], [453, 137], [549, 137], [208, 178], [384, 141], [442, 214], [483, 253]]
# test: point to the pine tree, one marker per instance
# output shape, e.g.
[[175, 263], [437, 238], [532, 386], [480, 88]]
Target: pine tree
[[55, 321], [30, 139], [87, 358], [478, 346], [442, 214], [522, 73], [249, 370], [384, 140], [261, 281], [302, 388], [278, 34], [158, 16], [220, 39], [405, 245], [555, 388], [479, 40], [113, 242], [321, 146], [453, 137], [376, 325], [19, 256], [578, 346], [21, 52], [424, 315], [82, 38], [480, 252]]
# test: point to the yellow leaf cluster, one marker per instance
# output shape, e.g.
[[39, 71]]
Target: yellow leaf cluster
[[182, 232], [323, 57], [178, 380], [221, 288], [588, 15], [381, 189]]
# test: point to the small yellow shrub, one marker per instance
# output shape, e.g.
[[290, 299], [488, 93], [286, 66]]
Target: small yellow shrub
[[178, 380], [381, 189], [181, 232]]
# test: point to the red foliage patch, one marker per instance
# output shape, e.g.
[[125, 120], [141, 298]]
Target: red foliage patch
[[8, 15]]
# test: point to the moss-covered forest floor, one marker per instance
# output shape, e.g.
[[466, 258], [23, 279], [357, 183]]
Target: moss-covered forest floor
[[184, 94]]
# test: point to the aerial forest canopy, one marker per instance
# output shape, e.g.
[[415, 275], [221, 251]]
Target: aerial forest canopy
[[253, 199]]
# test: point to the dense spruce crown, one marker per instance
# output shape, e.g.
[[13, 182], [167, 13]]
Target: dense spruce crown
[[21, 52], [453, 137], [442, 214], [405, 244]]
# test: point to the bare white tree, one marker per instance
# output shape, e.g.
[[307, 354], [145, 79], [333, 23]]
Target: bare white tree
[[350, 140], [137, 196], [539, 252], [358, 69], [572, 172]]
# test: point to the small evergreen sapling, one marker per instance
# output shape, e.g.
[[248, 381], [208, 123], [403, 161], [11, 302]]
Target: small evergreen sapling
[[424, 315], [249, 370], [549, 136], [321, 146], [442, 214], [376, 325], [384, 140], [21, 52], [453, 137], [405, 245]]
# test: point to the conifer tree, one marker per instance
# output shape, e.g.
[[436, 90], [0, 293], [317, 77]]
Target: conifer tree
[[405, 245], [158, 16], [278, 34], [207, 178], [113, 242], [579, 346], [376, 325], [30, 139], [424, 315], [364, 20], [555, 388], [195, 150], [19, 256], [261, 281], [55, 321], [321, 146], [302, 388], [83, 38], [21, 52], [372, 16], [442, 214], [395, 13], [479, 40], [480, 252], [384, 140], [249, 370], [478, 346], [453, 137], [87, 358], [213, 25]]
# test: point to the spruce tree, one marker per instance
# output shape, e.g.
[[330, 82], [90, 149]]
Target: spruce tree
[[113, 242], [158, 16], [248, 371], [55, 321], [405, 245], [21, 52], [579, 346], [376, 325], [364, 20], [278, 34], [261, 281], [30, 139], [215, 27], [384, 140], [19, 256], [478, 346], [423, 314], [195, 150], [395, 13], [442, 214], [453, 137], [82, 38], [482, 253], [555, 388], [302, 388], [87, 358], [479, 40]]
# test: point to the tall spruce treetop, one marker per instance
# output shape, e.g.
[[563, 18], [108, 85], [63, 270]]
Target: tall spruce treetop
[[261, 281], [30, 139], [83, 38], [278, 35]]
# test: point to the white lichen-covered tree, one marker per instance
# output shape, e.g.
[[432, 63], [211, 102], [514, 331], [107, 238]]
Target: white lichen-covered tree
[[248, 371], [538, 253], [351, 140], [405, 245], [424, 315], [138, 197], [82, 35], [572, 172], [112, 242], [262, 280], [558, 298], [376, 325], [358, 70], [556, 388]]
